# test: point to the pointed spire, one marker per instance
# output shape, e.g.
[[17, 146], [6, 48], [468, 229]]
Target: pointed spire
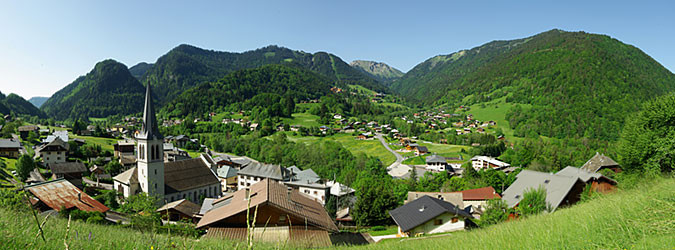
[[150, 129]]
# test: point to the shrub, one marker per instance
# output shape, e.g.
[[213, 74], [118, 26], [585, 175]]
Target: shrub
[[496, 211], [378, 228], [533, 202]]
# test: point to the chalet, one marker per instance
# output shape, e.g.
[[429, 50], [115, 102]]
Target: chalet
[[256, 172], [480, 130], [337, 116], [284, 214], [477, 198], [99, 172], [307, 182], [124, 147], [254, 126], [420, 150], [71, 171], [24, 131], [436, 163], [452, 197], [10, 148], [411, 146], [560, 190], [127, 161], [295, 128], [180, 210], [61, 194], [53, 152], [599, 162], [428, 215], [228, 177], [180, 140], [599, 183], [484, 162], [172, 153], [234, 162]]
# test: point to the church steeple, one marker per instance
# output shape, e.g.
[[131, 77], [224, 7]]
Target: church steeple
[[149, 130]]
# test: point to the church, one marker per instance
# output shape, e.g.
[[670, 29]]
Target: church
[[190, 179]]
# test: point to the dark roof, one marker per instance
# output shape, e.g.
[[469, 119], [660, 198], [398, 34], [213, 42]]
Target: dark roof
[[421, 210], [9, 143], [60, 193], [597, 162], [583, 175], [54, 145], [422, 148], [187, 174], [272, 193], [557, 187], [150, 129], [68, 167], [274, 172], [184, 206]]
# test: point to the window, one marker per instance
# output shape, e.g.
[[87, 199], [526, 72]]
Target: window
[[438, 222], [155, 171], [315, 193], [455, 220], [282, 218], [155, 186]]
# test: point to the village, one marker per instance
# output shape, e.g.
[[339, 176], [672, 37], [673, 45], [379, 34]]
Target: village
[[217, 193]]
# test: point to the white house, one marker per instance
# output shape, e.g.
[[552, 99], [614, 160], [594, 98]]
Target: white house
[[484, 162]]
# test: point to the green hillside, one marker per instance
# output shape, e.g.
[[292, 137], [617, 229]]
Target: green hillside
[[109, 89], [13, 103], [578, 84], [243, 85], [377, 70], [187, 66]]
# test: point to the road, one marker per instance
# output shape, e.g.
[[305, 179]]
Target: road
[[396, 169], [100, 185]]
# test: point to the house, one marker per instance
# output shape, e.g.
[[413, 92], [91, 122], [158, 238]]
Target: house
[[307, 182], [99, 172], [428, 215], [10, 148], [560, 190], [483, 162], [61, 194], [599, 162], [420, 150], [480, 130], [284, 214], [124, 147], [179, 210], [53, 152], [411, 146], [71, 171], [254, 126], [127, 161], [452, 197], [599, 182], [436, 163], [190, 179], [63, 134], [228, 177], [477, 199], [256, 172], [180, 140], [24, 131]]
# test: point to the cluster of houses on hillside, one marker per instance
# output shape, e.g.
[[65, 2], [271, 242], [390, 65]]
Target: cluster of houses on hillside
[[438, 212]]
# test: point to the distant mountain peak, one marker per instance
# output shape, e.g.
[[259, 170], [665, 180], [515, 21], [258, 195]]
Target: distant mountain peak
[[378, 70]]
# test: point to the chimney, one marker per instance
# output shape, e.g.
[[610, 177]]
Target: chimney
[[288, 192]]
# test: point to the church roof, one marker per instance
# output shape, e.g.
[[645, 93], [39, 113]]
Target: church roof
[[187, 174], [149, 130], [127, 177]]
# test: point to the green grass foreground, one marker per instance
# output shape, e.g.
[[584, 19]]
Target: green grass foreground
[[640, 218]]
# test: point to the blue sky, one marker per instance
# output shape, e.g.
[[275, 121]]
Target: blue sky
[[46, 45]]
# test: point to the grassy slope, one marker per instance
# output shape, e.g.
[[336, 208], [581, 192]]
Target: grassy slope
[[640, 218], [105, 143], [369, 147], [303, 119]]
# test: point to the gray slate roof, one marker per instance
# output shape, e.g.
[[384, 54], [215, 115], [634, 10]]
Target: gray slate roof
[[435, 159], [226, 172], [597, 162], [68, 167], [9, 143], [557, 187], [421, 210], [207, 205], [271, 171], [150, 128], [583, 175]]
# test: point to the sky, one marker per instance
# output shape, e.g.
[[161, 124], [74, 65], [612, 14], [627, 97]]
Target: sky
[[45, 45]]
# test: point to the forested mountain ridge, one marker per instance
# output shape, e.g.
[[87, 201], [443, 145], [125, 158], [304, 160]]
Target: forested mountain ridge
[[241, 86], [108, 89], [13, 103], [187, 66], [575, 84], [378, 70]]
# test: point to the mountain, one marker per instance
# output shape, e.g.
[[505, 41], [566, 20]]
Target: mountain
[[139, 69], [561, 84], [37, 101], [187, 66], [109, 89], [16, 104], [240, 86], [377, 70]]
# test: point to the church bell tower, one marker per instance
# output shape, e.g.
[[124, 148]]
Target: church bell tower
[[150, 160]]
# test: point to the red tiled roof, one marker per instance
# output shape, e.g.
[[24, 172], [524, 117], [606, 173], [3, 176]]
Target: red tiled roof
[[484, 193]]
